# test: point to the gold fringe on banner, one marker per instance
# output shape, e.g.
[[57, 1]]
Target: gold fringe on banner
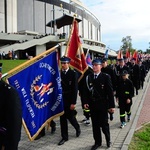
[[20, 68], [29, 62]]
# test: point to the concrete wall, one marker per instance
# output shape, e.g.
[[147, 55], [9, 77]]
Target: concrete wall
[[25, 15], [40, 49], [11, 15], [33, 15], [2, 20]]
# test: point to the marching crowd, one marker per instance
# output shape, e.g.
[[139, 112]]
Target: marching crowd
[[98, 90]]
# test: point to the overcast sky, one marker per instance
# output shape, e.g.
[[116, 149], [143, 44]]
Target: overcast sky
[[121, 18]]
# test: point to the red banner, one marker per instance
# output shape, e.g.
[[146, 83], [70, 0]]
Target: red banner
[[74, 50]]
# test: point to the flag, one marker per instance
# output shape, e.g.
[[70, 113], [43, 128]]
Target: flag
[[135, 56], [120, 55], [106, 54], [39, 87], [89, 61], [75, 52], [127, 53]]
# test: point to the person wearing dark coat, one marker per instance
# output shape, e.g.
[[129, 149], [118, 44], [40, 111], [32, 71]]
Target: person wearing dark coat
[[120, 68], [106, 69], [69, 90], [135, 75], [142, 74], [110, 71], [124, 94], [81, 84], [98, 96], [10, 117]]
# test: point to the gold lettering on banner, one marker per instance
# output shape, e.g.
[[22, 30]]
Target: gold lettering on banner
[[29, 107], [17, 84], [33, 124]]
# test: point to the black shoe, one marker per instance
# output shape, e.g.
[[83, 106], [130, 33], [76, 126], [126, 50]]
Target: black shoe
[[111, 117], [129, 118], [78, 132], [39, 136], [53, 129], [108, 144], [62, 142], [94, 147]]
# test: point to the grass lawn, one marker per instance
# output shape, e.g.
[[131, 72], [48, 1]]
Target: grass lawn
[[10, 64], [141, 139]]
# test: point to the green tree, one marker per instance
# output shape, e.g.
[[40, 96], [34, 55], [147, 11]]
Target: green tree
[[127, 43], [148, 50]]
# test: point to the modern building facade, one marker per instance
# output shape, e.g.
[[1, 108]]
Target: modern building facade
[[23, 25]]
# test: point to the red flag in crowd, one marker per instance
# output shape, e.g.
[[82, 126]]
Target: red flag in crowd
[[127, 53], [74, 50], [135, 56], [120, 55]]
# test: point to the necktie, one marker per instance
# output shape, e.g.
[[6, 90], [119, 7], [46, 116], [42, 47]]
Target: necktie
[[64, 71], [95, 76]]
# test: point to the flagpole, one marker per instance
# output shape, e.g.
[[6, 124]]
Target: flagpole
[[71, 31], [87, 53], [29, 62]]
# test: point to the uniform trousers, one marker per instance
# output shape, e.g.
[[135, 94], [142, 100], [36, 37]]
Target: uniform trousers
[[68, 115], [100, 120], [124, 107]]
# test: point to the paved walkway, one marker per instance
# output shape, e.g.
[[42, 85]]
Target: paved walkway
[[120, 137]]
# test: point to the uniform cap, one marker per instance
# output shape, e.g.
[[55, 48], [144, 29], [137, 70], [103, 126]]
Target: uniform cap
[[124, 72], [133, 59], [65, 59], [97, 61], [104, 60], [121, 59]]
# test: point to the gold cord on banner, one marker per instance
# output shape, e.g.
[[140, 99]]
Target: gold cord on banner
[[29, 62]]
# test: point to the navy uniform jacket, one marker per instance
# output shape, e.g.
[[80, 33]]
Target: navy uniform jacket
[[125, 90], [119, 70], [82, 82], [69, 87], [135, 75], [99, 92], [111, 72], [143, 72], [10, 116]]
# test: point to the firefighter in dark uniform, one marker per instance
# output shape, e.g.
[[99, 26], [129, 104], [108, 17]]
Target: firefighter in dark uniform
[[69, 89], [98, 96], [135, 74], [124, 94], [110, 71], [142, 74], [127, 62], [81, 84], [10, 117], [120, 68]]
